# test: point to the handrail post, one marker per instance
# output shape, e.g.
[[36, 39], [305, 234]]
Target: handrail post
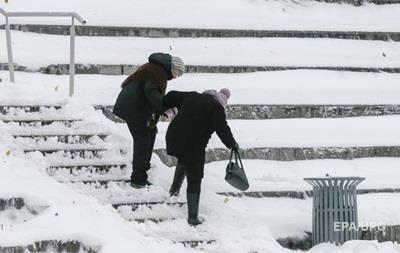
[[72, 59], [9, 52]]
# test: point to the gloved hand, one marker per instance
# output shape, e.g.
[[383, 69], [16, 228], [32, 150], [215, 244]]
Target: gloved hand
[[171, 112], [235, 147]]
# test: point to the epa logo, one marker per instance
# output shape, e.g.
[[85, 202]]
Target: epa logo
[[352, 226]]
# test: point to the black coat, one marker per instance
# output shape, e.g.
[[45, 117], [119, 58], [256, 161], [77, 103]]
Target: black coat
[[142, 92], [199, 115]]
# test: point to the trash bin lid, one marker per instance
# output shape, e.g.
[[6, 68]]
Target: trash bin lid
[[321, 181]]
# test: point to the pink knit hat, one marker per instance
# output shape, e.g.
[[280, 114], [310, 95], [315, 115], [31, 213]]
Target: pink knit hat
[[221, 96]]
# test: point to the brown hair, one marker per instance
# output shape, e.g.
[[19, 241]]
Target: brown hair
[[147, 72]]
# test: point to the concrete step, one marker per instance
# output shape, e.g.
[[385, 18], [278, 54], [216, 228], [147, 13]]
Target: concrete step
[[99, 181], [41, 122], [11, 203], [4, 109], [293, 153], [259, 111], [154, 32], [150, 219], [61, 138], [196, 243], [72, 153], [134, 206], [122, 69], [88, 168], [297, 194], [360, 2], [52, 246]]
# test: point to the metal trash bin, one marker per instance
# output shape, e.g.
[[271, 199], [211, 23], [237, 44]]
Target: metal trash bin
[[334, 217]]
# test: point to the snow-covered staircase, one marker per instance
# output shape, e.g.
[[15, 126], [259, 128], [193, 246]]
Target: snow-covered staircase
[[77, 152]]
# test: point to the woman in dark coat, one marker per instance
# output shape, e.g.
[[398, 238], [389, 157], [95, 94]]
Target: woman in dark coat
[[199, 115], [140, 104]]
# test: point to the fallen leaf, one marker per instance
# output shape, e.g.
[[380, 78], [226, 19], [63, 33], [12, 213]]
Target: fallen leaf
[[226, 200], [8, 152]]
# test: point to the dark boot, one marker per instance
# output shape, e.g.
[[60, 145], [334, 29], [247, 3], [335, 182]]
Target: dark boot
[[179, 176], [140, 185], [193, 201]]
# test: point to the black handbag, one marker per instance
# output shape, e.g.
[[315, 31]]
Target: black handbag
[[235, 174]]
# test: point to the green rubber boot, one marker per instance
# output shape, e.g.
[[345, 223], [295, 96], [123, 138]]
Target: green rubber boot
[[193, 201]]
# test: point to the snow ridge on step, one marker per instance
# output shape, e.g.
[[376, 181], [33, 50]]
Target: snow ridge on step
[[53, 246], [292, 153], [154, 32], [6, 109], [123, 69], [60, 138], [265, 111], [297, 194]]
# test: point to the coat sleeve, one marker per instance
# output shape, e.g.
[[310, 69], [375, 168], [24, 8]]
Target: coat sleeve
[[174, 99], [221, 127], [154, 96]]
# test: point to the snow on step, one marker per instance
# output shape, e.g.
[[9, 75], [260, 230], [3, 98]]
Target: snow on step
[[133, 206], [281, 87], [275, 176], [248, 51], [58, 142], [164, 32], [86, 170], [149, 212], [177, 230], [90, 173], [72, 153], [117, 192], [285, 15], [291, 217], [348, 132], [59, 129]]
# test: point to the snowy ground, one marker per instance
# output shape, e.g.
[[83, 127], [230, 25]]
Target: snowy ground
[[280, 87], [21, 178], [239, 224], [203, 51], [269, 219], [238, 14]]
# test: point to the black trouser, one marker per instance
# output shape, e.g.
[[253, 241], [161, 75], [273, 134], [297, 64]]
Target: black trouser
[[143, 143], [194, 175]]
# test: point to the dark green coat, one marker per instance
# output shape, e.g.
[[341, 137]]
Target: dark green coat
[[142, 92]]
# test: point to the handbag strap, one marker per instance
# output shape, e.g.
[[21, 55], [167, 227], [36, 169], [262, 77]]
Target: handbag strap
[[230, 159], [237, 157]]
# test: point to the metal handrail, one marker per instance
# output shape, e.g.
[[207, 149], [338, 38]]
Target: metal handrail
[[47, 14], [73, 16]]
